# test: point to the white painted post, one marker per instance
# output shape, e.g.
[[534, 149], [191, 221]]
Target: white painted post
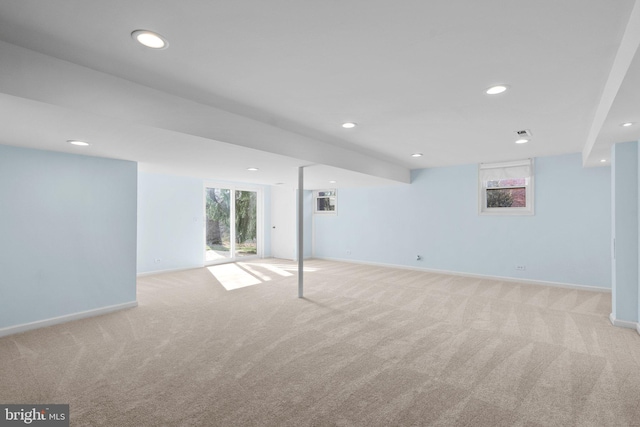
[[300, 231]]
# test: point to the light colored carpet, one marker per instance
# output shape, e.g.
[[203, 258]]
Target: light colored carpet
[[368, 346]]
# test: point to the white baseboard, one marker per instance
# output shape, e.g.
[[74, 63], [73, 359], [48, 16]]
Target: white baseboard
[[476, 276], [11, 330], [624, 323]]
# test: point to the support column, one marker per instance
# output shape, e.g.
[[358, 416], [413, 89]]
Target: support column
[[300, 231], [624, 183]]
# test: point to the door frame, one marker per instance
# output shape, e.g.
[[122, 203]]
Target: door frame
[[232, 212]]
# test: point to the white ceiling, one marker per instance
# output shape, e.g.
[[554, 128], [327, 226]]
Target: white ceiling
[[267, 84]]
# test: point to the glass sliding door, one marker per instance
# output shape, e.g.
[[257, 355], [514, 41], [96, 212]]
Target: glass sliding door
[[232, 224], [218, 227], [246, 223]]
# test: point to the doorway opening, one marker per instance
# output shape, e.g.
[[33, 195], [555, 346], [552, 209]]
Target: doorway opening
[[232, 218]]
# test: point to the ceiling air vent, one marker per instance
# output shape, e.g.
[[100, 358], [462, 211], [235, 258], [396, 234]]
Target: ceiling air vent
[[523, 133]]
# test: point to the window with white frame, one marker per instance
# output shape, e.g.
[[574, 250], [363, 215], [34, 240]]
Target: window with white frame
[[325, 201], [506, 188]]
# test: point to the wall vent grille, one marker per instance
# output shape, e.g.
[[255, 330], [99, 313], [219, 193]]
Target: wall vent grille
[[523, 133]]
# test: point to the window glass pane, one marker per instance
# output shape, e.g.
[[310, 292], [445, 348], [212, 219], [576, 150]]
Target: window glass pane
[[507, 197], [218, 243], [326, 193], [246, 223], [506, 185], [326, 204]]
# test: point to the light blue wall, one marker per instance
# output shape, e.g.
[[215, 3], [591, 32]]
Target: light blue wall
[[436, 216], [624, 186], [171, 222], [68, 234]]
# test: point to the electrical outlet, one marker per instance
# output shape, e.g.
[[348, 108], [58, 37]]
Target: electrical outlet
[[156, 261], [521, 267], [348, 251]]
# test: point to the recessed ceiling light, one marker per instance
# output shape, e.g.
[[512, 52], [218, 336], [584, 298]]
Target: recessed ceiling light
[[349, 125], [494, 90], [252, 169], [150, 39], [522, 141], [627, 124], [332, 182], [416, 155], [76, 142], [603, 160]]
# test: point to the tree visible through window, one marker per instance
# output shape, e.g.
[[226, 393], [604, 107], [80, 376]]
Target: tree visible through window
[[246, 223], [506, 188], [218, 230], [507, 193], [220, 223], [325, 201]]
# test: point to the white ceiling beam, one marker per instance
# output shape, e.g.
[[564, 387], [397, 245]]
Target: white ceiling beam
[[622, 62], [31, 75]]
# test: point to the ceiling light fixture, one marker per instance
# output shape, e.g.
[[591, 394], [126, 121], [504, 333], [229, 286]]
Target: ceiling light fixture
[[522, 141], [603, 160], [494, 90], [78, 143], [417, 155], [349, 125], [150, 39], [252, 169], [332, 182], [627, 124]]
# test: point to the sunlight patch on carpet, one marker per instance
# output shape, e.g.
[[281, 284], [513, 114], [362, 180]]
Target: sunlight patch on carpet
[[285, 270], [251, 269], [231, 276]]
